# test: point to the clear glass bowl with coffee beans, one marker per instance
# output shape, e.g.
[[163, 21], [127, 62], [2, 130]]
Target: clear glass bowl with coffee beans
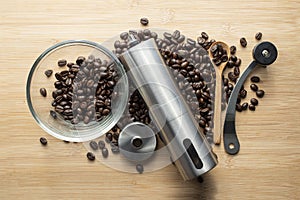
[[77, 90]]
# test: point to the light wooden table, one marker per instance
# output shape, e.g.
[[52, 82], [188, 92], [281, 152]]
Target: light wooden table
[[268, 165]]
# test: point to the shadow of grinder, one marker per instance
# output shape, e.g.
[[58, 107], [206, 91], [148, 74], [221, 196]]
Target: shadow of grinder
[[188, 147]]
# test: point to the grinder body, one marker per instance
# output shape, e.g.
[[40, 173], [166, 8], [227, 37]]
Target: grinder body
[[188, 147]]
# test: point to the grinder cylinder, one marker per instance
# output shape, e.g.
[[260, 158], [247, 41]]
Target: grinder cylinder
[[186, 143]]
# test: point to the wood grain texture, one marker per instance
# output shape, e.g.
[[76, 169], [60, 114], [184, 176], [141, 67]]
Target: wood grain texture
[[268, 165]]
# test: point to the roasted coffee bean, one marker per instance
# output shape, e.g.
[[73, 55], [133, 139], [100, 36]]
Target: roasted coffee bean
[[139, 168], [105, 112], [80, 60], [254, 87], [252, 107], [90, 156], [124, 36], [260, 93], [238, 62], [101, 144], [200, 179], [144, 21], [62, 63], [238, 108], [58, 77], [176, 34], [245, 106], [53, 114], [224, 58], [48, 72], [255, 79], [191, 41], [108, 137], [86, 120], [233, 58], [243, 42], [258, 36], [204, 35], [104, 152], [93, 145], [200, 40], [232, 77], [115, 149], [116, 136], [43, 141], [236, 71], [254, 101], [232, 50], [43, 92], [243, 93]]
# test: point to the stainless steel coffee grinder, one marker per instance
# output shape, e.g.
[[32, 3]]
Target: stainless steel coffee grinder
[[188, 147]]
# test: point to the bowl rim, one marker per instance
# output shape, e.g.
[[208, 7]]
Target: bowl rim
[[30, 76]]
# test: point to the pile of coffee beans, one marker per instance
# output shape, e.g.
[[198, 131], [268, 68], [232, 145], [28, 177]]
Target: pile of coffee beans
[[84, 90], [219, 54], [204, 41], [191, 67]]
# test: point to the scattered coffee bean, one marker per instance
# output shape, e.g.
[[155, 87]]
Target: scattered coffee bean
[[255, 79], [104, 152], [232, 50], [144, 21], [238, 108], [101, 144], [48, 72], [252, 107], [236, 71], [258, 36], [53, 114], [90, 156], [243, 93], [254, 87], [139, 168], [108, 137], [260, 93], [243, 42], [43, 92], [245, 106], [200, 179], [232, 77], [204, 35], [93, 145], [254, 101], [115, 149], [62, 63], [43, 141]]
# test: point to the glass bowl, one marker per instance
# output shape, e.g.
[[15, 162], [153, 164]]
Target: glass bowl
[[40, 106]]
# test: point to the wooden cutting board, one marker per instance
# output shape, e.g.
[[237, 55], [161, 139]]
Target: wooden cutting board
[[267, 166]]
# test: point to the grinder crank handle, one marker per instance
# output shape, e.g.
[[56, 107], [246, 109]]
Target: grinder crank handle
[[231, 142], [264, 54]]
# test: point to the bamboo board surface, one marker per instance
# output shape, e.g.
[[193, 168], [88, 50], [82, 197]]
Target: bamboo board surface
[[268, 165]]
